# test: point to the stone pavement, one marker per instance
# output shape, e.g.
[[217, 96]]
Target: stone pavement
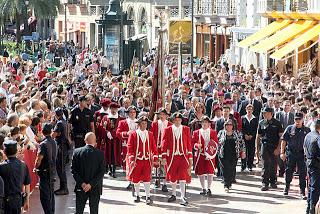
[[244, 197]]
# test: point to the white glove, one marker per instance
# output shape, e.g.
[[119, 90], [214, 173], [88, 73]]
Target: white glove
[[109, 136]]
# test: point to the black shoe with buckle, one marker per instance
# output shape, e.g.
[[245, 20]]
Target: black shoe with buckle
[[209, 194], [137, 200], [184, 202], [149, 201], [164, 188], [204, 192], [172, 198]]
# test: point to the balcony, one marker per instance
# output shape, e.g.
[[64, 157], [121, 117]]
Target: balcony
[[225, 8], [267, 6]]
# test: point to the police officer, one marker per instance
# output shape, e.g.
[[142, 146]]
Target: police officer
[[312, 152], [1, 196], [82, 122], [269, 133], [292, 153], [45, 167], [14, 174], [60, 136]]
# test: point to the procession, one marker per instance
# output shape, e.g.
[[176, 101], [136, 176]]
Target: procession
[[110, 124]]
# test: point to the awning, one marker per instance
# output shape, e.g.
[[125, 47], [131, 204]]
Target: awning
[[282, 36], [296, 43], [264, 32]]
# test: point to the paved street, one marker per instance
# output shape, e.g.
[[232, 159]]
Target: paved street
[[245, 197]]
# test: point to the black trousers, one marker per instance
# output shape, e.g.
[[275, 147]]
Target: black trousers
[[112, 166], [13, 205], [78, 140], [314, 187], [282, 166], [61, 165], [228, 167], [269, 168], [250, 152], [292, 161], [81, 200], [46, 194]]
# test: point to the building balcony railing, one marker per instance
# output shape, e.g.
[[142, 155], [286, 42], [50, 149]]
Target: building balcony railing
[[215, 7], [264, 6]]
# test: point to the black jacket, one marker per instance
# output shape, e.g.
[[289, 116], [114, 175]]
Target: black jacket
[[250, 128], [88, 166], [257, 106]]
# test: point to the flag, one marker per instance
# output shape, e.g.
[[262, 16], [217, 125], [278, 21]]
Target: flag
[[157, 83]]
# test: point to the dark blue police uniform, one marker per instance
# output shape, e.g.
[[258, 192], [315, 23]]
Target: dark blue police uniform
[[62, 142], [47, 149], [295, 155], [312, 152], [269, 131], [15, 174]]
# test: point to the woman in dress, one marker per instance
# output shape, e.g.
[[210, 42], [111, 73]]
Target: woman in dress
[[231, 147]]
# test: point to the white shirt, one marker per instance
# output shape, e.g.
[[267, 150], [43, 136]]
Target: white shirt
[[177, 134], [132, 124], [162, 125], [205, 133], [143, 135]]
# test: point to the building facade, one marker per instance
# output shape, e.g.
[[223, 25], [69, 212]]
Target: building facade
[[213, 22], [287, 37], [81, 16]]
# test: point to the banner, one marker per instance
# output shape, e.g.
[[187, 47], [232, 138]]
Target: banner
[[180, 31]]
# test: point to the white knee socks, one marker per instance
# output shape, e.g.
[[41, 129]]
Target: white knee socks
[[210, 179], [147, 188], [202, 180], [137, 189], [182, 185], [174, 188]]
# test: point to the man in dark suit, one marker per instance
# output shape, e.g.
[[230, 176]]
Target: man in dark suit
[[257, 106], [249, 132], [286, 118], [259, 96], [88, 168]]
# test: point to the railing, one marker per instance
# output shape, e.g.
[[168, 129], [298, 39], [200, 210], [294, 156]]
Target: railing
[[288, 5], [215, 7]]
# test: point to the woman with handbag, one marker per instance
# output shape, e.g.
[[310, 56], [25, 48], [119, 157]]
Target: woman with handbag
[[205, 143], [231, 147]]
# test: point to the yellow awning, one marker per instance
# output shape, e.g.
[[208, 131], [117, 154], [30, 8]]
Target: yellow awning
[[296, 43], [282, 36], [264, 32]]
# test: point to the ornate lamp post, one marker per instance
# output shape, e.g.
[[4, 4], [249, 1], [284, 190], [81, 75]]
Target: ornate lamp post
[[65, 3], [112, 23]]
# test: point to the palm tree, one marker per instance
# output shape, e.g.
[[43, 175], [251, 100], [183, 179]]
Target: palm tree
[[16, 10], [13, 9]]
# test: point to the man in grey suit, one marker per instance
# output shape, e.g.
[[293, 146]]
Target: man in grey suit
[[286, 118]]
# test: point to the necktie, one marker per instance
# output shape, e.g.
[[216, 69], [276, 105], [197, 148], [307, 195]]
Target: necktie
[[286, 119]]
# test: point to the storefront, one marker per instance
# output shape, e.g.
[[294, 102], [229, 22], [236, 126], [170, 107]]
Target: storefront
[[212, 41]]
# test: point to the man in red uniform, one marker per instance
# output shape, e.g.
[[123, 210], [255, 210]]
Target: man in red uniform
[[157, 128], [125, 128], [205, 142], [142, 155], [177, 156], [98, 115], [112, 153]]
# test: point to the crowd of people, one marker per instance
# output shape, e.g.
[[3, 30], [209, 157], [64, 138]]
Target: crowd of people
[[211, 118]]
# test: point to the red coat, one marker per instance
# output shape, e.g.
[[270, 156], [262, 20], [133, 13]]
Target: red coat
[[122, 134], [107, 126], [203, 164], [137, 157], [155, 130], [99, 129], [169, 147], [237, 117]]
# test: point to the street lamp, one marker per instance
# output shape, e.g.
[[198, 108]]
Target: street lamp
[[65, 3]]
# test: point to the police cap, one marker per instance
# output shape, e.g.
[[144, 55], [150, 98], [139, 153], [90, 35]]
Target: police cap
[[267, 109], [59, 111], [298, 116], [10, 144], [47, 127]]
